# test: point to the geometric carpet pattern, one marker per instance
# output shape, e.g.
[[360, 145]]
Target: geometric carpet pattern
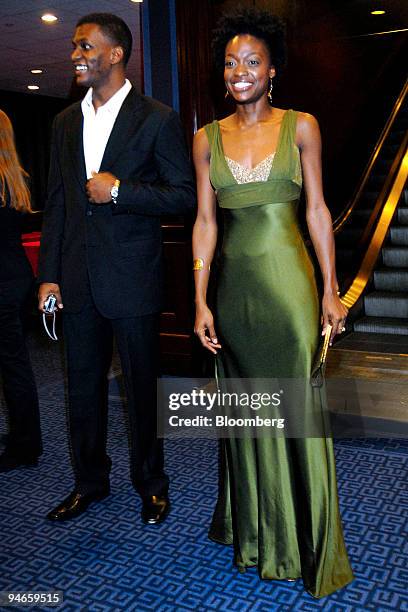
[[106, 560]]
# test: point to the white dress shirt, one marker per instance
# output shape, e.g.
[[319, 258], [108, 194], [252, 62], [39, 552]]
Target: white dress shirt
[[98, 126]]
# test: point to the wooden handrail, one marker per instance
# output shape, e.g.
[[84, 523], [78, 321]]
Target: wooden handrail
[[367, 266], [345, 214]]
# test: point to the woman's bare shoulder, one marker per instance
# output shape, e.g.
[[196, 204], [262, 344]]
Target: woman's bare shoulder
[[307, 128], [201, 146], [201, 135], [306, 120]]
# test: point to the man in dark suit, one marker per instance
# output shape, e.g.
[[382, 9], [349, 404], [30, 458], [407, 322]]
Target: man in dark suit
[[118, 162]]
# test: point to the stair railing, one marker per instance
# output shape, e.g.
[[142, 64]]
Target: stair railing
[[345, 214], [367, 266], [383, 194]]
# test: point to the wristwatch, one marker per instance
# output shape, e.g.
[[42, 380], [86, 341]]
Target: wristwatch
[[114, 192]]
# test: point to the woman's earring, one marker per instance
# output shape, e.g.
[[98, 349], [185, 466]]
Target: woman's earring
[[270, 91], [226, 94]]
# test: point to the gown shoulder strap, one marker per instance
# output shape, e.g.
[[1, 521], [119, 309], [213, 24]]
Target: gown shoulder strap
[[213, 133], [289, 126], [287, 159]]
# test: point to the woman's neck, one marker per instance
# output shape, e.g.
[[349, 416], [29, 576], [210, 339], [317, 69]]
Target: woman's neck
[[253, 113]]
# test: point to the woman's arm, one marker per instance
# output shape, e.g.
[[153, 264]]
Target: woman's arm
[[319, 221], [204, 241]]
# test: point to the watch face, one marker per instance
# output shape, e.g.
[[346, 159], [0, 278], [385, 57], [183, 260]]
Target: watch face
[[114, 192]]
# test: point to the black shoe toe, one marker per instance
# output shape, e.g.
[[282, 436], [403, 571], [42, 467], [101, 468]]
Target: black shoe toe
[[75, 504], [155, 509]]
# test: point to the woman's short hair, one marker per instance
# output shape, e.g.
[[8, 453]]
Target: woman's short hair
[[114, 27], [256, 22]]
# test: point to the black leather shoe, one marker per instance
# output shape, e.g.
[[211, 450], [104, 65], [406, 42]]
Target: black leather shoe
[[10, 462], [155, 509], [75, 504]]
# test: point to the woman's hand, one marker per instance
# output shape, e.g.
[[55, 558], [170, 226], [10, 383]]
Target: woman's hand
[[334, 313], [204, 329]]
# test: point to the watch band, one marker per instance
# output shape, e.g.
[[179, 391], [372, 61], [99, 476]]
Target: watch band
[[115, 191]]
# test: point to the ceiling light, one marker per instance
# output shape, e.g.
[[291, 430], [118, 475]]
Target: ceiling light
[[36, 71], [49, 18], [379, 12], [32, 87], [136, 0]]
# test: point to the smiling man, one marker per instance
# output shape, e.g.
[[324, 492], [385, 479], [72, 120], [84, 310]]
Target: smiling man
[[118, 162]]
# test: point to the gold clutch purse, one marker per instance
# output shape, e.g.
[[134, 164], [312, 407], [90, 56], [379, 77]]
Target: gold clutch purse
[[319, 362]]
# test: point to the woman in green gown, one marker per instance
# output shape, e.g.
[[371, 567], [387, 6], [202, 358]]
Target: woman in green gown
[[277, 502]]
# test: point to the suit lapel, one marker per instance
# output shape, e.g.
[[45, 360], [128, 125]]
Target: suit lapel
[[76, 147], [126, 122]]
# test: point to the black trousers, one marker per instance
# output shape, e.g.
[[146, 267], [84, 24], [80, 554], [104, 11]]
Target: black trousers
[[89, 340], [19, 388]]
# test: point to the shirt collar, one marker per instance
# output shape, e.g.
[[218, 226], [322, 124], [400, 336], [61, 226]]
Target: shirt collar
[[114, 103]]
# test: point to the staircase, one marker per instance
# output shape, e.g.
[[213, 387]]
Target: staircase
[[386, 306], [347, 240], [368, 365]]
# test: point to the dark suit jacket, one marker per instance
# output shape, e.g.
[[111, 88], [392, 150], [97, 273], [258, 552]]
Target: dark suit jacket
[[117, 246]]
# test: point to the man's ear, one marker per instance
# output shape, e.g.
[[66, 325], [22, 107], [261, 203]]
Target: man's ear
[[117, 54]]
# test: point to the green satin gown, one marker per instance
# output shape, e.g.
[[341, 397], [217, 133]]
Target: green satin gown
[[277, 503]]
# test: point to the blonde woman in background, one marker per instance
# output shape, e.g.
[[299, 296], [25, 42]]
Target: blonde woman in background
[[23, 445]]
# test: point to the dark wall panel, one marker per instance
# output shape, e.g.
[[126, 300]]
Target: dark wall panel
[[32, 117]]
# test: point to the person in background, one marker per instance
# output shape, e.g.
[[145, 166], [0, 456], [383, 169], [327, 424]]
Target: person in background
[[23, 446], [118, 162]]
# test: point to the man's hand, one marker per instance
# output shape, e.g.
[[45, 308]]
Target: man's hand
[[98, 188], [45, 291]]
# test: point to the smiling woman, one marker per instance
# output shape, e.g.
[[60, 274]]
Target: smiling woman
[[277, 499], [248, 67]]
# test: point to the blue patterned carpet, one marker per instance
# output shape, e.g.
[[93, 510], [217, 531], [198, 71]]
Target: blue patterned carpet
[[107, 560]]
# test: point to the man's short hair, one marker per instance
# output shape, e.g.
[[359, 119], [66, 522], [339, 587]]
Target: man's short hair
[[114, 27]]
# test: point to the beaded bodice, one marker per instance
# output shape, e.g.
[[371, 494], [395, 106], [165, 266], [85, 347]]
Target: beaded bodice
[[276, 179], [242, 174]]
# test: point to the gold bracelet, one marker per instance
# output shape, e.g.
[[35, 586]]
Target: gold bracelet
[[198, 264]]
